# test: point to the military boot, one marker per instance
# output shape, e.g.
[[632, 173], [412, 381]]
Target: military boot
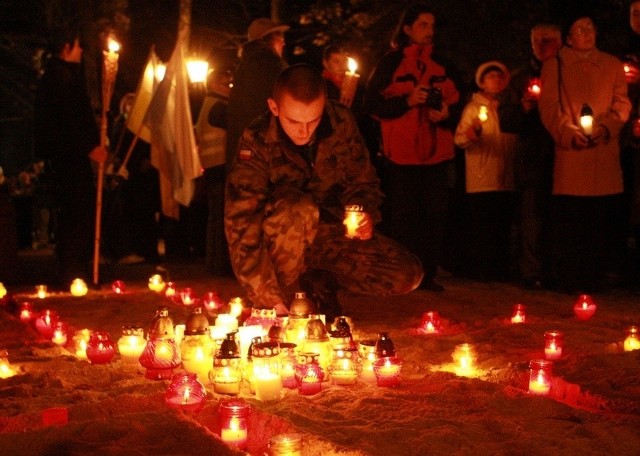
[[322, 288]]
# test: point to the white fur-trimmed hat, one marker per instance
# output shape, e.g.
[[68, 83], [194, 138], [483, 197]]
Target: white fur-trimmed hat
[[488, 66]]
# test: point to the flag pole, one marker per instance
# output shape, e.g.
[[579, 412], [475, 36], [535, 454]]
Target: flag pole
[[109, 70]]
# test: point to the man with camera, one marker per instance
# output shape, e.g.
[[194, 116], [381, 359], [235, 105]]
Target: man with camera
[[410, 93]]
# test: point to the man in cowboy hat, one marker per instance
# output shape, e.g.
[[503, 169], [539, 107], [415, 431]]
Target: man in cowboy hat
[[261, 63]]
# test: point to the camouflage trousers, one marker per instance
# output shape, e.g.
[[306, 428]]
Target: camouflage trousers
[[298, 239]]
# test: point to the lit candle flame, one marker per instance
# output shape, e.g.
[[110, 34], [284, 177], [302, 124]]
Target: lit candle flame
[[352, 65], [483, 114], [113, 45], [186, 395]]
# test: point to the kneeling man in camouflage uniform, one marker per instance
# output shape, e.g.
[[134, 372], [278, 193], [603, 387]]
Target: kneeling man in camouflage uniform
[[297, 168]]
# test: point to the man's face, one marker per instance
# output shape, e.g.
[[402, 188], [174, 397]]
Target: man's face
[[634, 17], [421, 31], [582, 35], [545, 43], [298, 120], [336, 64]]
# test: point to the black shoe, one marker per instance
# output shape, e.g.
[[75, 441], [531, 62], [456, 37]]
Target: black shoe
[[430, 285], [322, 288], [532, 283]]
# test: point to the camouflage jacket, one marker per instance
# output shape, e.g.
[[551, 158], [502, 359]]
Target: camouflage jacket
[[268, 163]]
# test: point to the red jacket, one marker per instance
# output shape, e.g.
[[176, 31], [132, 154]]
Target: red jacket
[[409, 138]]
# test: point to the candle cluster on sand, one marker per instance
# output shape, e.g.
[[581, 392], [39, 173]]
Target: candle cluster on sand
[[632, 340]]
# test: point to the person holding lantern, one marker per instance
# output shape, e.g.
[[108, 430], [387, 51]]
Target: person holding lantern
[[297, 167], [489, 183], [533, 161], [66, 134], [584, 106], [411, 94]]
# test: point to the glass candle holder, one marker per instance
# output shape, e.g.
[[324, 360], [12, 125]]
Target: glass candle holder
[[131, 345], [41, 291], [266, 371], [584, 308], [632, 339], [186, 393], [367, 352], [387, 371], [234, 422], [353, 216], [226, 374], [553, 344], [156, 283], [464, 358], [384, 346], [160, 356], [226, 321], [26, 312], [3, 291], [6, 370], [540, 376], [236, 307], [295, 331], [60, 330], [345, 367], [187, 296], [45, 323], [118, 287], [197, 353], [100, 348], [244, 337], [78, 288], [290, 444], [519, 314], [288, 365], [212, 302], [80, 340], [161, 326], [317, 341], [170, 290], [309, 374], [247, 365], [264, 318], [430, 323]]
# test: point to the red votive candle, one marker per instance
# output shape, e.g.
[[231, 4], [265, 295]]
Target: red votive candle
[[584, 307]]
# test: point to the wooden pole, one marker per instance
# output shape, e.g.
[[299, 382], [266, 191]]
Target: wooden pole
[[109, 70]]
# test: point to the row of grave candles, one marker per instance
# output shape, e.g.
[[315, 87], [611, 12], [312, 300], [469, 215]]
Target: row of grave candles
[[132, 342]]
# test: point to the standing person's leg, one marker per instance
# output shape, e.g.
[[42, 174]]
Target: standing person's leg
[[435, 194]]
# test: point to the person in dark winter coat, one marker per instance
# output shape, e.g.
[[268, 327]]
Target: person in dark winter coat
[[260, 65], [66, 134]]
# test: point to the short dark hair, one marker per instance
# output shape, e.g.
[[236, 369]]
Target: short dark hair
[[62, 36], [331, 49], [400, 39], [303, 82]]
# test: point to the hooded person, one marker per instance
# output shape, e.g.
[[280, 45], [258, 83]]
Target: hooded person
[[260, 64]]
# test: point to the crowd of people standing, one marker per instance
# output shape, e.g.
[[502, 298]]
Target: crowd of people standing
[[548, 193]]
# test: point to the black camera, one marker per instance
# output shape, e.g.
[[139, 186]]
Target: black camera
[[434, 98], [434, 94]]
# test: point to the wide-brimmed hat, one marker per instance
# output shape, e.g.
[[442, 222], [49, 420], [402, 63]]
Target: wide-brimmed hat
[[488, 66], [263, 26]]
